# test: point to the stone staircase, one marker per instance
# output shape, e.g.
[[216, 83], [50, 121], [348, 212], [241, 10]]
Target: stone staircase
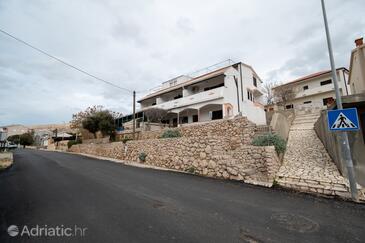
[[306, 164]]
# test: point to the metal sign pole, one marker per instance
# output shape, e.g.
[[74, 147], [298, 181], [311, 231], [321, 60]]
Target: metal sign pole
[[344, 141]]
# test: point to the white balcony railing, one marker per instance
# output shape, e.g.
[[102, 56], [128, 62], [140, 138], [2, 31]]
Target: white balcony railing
[[191, 99]]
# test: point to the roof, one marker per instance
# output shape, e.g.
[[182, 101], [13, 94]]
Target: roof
[[209, 75], [310, 76], [352, 59]]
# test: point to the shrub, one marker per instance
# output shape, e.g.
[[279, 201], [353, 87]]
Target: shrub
[[191, 170], [73, 142], [142, 156], [171, 134], [126, 139], [270, 140]]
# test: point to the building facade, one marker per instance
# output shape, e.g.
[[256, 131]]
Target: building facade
[[315, 90], [357, 68], [223, 93]]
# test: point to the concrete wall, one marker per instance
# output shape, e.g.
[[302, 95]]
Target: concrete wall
[[281, 122], [357, 70], [331, 142]]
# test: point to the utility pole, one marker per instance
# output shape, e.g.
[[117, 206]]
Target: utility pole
[[344, 141], [134, 114]]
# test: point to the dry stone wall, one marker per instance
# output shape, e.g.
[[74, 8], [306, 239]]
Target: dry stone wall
[[237, 127], [209, 156]]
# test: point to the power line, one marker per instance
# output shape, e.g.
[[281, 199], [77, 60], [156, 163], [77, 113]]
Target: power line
[[63, 62]]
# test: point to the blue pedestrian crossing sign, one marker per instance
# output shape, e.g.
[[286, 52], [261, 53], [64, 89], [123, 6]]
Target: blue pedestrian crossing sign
[[343, 120]]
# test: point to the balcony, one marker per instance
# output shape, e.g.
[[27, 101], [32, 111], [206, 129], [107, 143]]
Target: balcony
[[191, 99], [314, 91]]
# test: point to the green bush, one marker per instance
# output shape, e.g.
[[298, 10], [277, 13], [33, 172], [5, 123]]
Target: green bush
[[191, 170], [126, 139], [171, 134], [270, 140], [73, 142], [142, 156]]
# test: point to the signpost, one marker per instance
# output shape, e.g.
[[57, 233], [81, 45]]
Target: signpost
[[343, 120], [344, 140]]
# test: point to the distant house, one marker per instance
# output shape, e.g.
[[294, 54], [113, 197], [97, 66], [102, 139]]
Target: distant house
[[357, 68], [221, 93], [315, 90]]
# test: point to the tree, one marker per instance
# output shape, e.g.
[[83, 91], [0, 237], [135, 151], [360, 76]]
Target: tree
[[78, 118], [155, 114], [14, 139], [26, 139], [102, 121], [268, 90], [283, 94]]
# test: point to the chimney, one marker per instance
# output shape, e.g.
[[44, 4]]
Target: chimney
[[359, 42]]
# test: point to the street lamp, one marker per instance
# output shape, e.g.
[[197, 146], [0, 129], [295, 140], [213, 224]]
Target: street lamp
[[344, 141]]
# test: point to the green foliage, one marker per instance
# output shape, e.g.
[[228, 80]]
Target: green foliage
[[73, 142], [171, 134], [275, 183], [26, 139], [271, 140], [99, 121], [14, 138], [191, 170], [126, 139], [142, 156]]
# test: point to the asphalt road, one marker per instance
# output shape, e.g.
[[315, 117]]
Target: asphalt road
[[118, 203]]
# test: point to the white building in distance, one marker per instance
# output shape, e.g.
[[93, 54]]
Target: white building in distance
[[222, 93], [316, 90]]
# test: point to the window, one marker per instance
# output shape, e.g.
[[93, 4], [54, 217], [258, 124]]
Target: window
[[178, 96], [184, 119], [154, 103], [195, 118], [255, 81], [289, 106], [195, 89], [307, 102], [217, 115], [327, 101], [214, 87], [305, 87], [249, 95], [326, 82]]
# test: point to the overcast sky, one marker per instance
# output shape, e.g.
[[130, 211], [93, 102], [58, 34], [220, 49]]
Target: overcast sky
[[139, 44]]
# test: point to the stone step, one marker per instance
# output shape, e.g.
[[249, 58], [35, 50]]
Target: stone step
[[302, 127], [304, 121], [306, 117]]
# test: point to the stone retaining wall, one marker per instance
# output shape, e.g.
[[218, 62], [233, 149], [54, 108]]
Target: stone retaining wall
[[236, 127], [213, 156]]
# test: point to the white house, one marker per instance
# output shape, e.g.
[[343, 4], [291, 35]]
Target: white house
[[316, 90], [357, 68], [222, 93]]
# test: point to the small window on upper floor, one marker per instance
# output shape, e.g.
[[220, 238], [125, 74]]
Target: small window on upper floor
[[307, 102], [305, 87], [326, 82], [249, 95], [255, 81]]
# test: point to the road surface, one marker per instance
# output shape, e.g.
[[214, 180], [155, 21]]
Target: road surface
[[111, 202]]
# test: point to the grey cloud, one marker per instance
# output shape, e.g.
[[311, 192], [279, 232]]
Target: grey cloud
[[139, 44]]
